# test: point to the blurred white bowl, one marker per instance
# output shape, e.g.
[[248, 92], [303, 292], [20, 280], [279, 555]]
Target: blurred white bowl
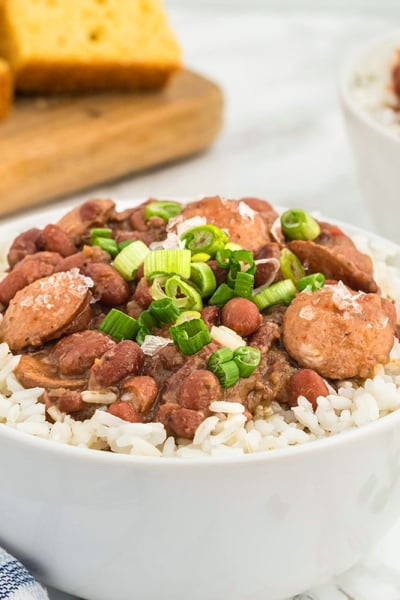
[[374, 129]]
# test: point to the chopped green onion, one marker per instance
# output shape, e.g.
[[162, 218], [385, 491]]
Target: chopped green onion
[[281, 292], [168, 261], [297, 224], [232, 246], [119, 325], [203, 277], [130, 258], [205, 238], [227, 373], [222, 294], [190, 336], [183, 294], [219, 356], [147, 320], [162, 208], [188, 315], [223, 258], [157, 287], [244, 283], [247, 359], [141, 334], [123, 244], [102, 232], [311, 283], [164, 310], [244, 260], [107, 244], [201, 257], [290, 265]]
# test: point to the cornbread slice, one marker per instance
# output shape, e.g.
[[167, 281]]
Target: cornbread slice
[[6, 88], [84, 45]]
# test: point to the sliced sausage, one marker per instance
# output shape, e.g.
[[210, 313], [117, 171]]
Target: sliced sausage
[[338, 332], [241, 315], [198, 390], [55, 239], [109, 288], [76, 353], [307, 383], [31, 371], [30, 268], [335, 255], [244, 226], [27, 242], [93, 213], [264, 208], [46, 308], [126, 358]]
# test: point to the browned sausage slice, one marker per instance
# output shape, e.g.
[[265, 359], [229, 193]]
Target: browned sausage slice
[[336, 256], [44, 309], [338, 332], [30, 268], [32, 372], [243, 225], [90, 214]]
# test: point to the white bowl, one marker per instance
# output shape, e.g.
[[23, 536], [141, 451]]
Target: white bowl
[[374, 137], [262, 526]]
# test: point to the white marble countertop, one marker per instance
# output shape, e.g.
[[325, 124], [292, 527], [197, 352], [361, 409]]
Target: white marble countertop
[[283, 139]]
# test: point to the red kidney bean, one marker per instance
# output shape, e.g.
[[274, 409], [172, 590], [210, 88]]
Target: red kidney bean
[[241, 315]]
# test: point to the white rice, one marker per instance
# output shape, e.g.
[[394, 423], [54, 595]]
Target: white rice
[[371, 87], [226, 431]]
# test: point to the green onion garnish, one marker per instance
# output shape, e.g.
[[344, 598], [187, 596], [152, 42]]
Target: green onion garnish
[[311, 283], [183, 294], [102, 232], [243, 260], [162, 208], [164, 310], [297, 224], [188, 315], [247, 359], [123, 244], [281, 292], [130, 258], [168, 261], [203, 277], [107, 244], [227, 373], [141, 334], [222, 294], [219, 356], [244, 283], [223, 258], [290, 265], [200, 257], [190, 336], [205, 238], [147, 320], [119, 325]]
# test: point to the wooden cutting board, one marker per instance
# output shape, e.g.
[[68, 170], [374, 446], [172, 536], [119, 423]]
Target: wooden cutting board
[[50, 147]]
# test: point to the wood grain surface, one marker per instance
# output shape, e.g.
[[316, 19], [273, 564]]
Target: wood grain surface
[[53, 146]]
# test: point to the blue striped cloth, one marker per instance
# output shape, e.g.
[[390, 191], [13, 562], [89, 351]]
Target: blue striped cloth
[[16, 583]]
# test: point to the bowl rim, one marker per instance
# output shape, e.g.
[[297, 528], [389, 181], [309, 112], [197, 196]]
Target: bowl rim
[[78, 453], [349, 68]]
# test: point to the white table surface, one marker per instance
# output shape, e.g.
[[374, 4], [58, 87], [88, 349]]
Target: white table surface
[[284, 140]]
